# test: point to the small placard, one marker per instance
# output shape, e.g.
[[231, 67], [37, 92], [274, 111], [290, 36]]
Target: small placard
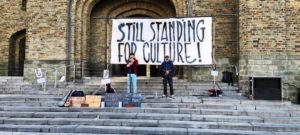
[[105, 81], [105, 74], [127, 100], [137, 100], [41, 80], [214, 73], [113, 99]]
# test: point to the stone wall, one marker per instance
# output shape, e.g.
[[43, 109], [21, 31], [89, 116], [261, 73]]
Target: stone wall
[[293, 50], [46, 33], [47, 29], [225, 40], [267, 42], [12, 20], [45, 24]]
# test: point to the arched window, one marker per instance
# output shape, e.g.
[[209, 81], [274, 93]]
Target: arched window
[[24, 3]]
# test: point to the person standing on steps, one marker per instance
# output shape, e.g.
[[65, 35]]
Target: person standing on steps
[[167, 72], [132, 70]]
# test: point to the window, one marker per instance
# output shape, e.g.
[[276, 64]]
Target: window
[[24, 3]]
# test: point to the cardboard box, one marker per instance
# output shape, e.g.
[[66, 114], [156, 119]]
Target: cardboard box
[[95, 105], [93, 101], [77, 101], [92, 98]]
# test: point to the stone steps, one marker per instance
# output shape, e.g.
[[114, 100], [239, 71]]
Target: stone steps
[[232, 125], [217, 106], [166, 103], [34, 103], [149, 123], [158, 92], [180, 114], [3, 96], [159, 85], [150, 92], [140, 86], [179, 102], [151, 130], [30, 99], [146, 119], [15, 83], [38, 133], [146, 86], [213, 108], [34, 111], [12, 83], [119, 90], [115, 82], [210, 110], [190, 132], [124, 79]]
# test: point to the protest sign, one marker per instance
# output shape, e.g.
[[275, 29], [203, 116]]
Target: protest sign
[[188, 41]]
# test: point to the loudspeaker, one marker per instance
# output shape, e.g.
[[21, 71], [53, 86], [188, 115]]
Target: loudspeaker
[[266, 88]]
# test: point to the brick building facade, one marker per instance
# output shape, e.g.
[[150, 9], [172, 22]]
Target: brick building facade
[[260, 37]]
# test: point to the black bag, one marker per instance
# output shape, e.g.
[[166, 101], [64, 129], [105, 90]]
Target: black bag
[[213, 92], [77, 94], [228, 77]]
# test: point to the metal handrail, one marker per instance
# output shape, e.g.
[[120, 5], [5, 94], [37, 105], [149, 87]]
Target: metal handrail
[[294, 85], [55, 70]]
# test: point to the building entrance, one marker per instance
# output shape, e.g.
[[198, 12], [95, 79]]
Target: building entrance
[[100, 31], [17, 53]]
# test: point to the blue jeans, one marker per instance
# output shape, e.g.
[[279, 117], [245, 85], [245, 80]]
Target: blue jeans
[[131, 78]]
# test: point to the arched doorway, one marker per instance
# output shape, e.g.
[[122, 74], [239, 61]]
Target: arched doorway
[[17, 45], [100, 30]]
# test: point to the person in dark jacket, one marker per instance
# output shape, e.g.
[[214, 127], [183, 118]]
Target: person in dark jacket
[[167, 72], [132, 70]]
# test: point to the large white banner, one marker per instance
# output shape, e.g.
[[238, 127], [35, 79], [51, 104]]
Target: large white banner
[[188, 41]]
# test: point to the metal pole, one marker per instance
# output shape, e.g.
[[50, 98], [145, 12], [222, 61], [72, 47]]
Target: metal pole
[[82, 70], [55, 77], [215, 86], [189, 4], [214, 43], [45, 84], [107, 45], [74, 72], [66, 72]]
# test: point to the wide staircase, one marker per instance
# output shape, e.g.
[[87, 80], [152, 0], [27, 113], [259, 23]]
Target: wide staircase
[[28, 110]]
